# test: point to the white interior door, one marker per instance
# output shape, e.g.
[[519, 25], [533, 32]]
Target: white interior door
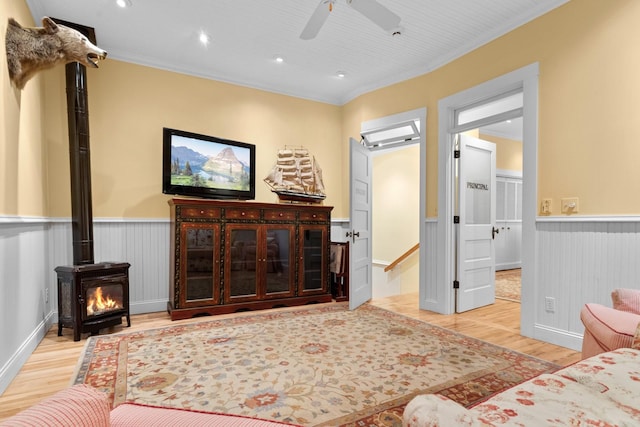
[[360, 268], [477, 211]]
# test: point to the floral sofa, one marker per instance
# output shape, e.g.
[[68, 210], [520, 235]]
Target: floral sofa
[[83, 406], [601, 390]]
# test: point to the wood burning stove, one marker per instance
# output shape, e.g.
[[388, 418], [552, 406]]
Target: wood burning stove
[[92, 297]]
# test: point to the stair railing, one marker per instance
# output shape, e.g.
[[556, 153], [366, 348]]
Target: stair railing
[[402, 257]]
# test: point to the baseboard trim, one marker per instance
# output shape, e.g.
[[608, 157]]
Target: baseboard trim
[[10, 370], [557, 336], [148, 307]]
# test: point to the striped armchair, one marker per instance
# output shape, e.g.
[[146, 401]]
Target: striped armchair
[[609, 328]]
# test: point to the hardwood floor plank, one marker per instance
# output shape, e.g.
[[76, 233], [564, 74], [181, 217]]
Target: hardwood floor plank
[[50, 368]]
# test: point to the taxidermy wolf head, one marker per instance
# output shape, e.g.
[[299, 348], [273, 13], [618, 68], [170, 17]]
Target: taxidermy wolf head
[[30, 50]]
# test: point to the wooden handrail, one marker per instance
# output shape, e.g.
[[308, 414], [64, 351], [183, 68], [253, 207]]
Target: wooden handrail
[[401, 258]]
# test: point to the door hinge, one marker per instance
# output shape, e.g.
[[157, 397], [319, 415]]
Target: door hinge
[[456, 284], [456, 219], [456, 154]]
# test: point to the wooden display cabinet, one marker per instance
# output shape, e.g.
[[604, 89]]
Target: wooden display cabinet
[[313, 244], [229, 256]]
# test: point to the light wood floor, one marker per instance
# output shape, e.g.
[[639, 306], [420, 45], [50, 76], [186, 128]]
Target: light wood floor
[[51, 366]]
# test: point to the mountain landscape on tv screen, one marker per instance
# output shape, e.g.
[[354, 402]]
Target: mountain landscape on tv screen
[[224, 170]]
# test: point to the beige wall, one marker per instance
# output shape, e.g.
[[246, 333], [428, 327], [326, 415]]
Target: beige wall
[[395, 202], [22, 148], [396, 212], [589, 88], [130, 104], [508, 152], [588, 111]]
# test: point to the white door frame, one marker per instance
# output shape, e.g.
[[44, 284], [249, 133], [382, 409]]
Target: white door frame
[[525, 78], [421, 115]]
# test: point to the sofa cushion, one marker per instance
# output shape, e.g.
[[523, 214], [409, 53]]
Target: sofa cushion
[[615, 375], [626, 300], [135, 415], [76, 406], [434, 410], [550, 399], [601, 391]]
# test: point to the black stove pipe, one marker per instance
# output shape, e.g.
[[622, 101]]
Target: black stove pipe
[[80, 164], [79, 154]]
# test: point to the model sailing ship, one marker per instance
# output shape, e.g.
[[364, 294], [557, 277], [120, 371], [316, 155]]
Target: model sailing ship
[[296, 176]]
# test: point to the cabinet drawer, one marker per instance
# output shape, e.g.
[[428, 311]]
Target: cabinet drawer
[[313, 216], [279, 214], [239, 213], [200, 213]]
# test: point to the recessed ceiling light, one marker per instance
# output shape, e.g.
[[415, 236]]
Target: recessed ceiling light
[[279, 58], [123, 3], [204, 38], [341, 74]]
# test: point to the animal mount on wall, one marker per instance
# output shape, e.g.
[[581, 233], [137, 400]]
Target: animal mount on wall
[[30, 50]]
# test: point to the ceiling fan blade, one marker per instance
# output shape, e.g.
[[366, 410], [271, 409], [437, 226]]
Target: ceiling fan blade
[[316, 21], [380, 15]]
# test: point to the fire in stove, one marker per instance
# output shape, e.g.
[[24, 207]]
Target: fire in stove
[[100, 301]]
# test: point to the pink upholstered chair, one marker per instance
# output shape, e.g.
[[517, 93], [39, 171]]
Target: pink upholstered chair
[[607, 328]]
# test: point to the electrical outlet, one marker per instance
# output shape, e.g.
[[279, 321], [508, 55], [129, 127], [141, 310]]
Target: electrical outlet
[[569, 205], [550, 304]]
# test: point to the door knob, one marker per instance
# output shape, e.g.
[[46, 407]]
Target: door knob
[[494, 231]]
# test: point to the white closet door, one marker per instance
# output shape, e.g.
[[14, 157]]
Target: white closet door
[[509, 221]]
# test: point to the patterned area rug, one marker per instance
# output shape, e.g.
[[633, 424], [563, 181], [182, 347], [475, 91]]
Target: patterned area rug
[[314, 366], [508, 284]]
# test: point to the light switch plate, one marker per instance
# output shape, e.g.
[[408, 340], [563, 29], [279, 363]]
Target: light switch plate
[[569, 205], [545, 207]]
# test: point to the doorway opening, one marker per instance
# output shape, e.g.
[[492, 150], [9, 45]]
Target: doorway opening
[[384, 135], [524, 80], [506, 229]]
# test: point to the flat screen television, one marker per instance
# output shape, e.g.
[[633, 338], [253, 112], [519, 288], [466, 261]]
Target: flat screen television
[[206, 166]]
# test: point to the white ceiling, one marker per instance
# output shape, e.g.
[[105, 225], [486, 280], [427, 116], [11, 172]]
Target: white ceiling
[[246, 35]]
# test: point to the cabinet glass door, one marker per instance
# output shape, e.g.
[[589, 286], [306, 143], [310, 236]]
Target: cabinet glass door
[[278, 261], [243, 247], [313, 244], [200, 266]]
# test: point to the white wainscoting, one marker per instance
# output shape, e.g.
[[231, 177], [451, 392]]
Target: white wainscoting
[[429, 277], [31, 249], [143, 243], [581, 260], [25, 291]]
